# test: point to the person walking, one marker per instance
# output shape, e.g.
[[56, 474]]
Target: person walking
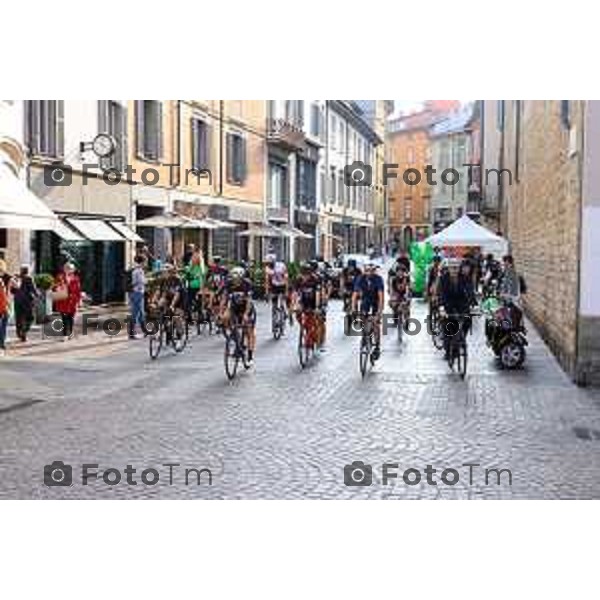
[[195, 277], [5, 287], [137, 296], [25, 295], [67, 291]]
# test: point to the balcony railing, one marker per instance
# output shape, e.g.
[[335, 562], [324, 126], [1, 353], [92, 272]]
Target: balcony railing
[[285, 133], [278, 213]]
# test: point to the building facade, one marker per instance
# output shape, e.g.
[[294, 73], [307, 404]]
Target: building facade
[[551, 209], [347, 212], [449, 197]]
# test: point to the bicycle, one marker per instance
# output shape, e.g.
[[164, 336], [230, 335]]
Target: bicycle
[[278, 318], [401, 314], [367, 344], [457, 343], [170, 327], [307, 336], [236, 349]]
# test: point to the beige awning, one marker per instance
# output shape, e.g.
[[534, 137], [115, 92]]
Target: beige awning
[[96, 230], [66, 233], [20, 208], [126, 232], [294, 232], [262, 231]]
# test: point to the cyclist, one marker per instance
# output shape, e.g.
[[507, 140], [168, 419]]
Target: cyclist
[[347, 279], [456, 296], [236, 303], [277, 282], [399, 283], [368, 290], [215, 282], [170, 294], [322, 273], [307, 291]]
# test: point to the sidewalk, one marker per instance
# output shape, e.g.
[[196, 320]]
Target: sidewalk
[[39, 343]]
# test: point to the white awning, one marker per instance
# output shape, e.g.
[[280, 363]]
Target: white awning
[[96, 230], [20, 208], [294, 232], [126, 232], [264, 230], [66, 233]]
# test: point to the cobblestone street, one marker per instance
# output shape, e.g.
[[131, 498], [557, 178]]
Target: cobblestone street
[[278, 432]]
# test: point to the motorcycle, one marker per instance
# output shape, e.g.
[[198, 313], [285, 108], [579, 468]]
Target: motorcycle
[[505, 332]]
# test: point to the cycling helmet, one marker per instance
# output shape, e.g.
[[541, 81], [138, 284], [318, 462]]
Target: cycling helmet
[[352, 263], [314, 265], [237, 272], [305, 267], [217, 260]]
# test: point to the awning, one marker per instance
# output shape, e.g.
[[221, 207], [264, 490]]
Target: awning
[[66, 233], [126, 232], [20, 208], [96, 230], [189, 223], [165, 221], [294, 232], [262, 231], [219, 224]]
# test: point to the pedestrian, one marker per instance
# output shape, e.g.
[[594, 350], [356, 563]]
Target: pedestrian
[[187, 255], [137, 295], [195, 276], [5, 286], [67, 296], [510, 283], [25, 295]]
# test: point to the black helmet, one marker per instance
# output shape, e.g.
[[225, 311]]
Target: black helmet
[[352, 263], [314, 264]]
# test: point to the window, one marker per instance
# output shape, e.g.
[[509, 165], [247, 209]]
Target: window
[[410, 155], [148, 116], [407, 210], [278, 186], [341, 188], [112, 119], [200, 144], [44, 127], [565, 117], [307, 183], [315, 120], [333, 131], [332, 184], [236, 158], [294, 112], [342, 136]]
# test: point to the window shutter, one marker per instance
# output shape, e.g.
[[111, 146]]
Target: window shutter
[[139, 128], [194, 127], [564, 114], [59, 106], [207, 145], [229, 158], [159, 131], [300, 106], [103, 116], [124, 135], [32, 130], [243, 168]]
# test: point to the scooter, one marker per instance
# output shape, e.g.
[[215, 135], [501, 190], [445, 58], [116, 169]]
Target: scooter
[[505, 332]]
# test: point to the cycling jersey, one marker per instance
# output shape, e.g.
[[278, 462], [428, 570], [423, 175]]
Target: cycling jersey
[[369, 286], [349, 276], [278, 274], [170, 287], [217, 278], [307, 287]]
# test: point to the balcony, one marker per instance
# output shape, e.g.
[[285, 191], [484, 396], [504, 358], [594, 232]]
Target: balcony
[[285, 134], [278, 213]]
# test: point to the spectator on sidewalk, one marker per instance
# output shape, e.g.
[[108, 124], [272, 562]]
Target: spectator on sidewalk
[[5, 286], [195, 275], [25, 294], [67, 290], [137, 295]]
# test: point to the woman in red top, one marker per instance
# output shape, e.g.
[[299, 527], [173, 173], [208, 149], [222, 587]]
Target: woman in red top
[[67, 281]]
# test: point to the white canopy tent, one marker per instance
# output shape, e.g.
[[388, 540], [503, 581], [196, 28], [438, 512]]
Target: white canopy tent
[[465, 232]]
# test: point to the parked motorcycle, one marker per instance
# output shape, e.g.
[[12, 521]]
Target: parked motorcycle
[[505, 332]]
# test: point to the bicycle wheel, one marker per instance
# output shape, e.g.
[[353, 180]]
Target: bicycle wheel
[[156, 341], [461, 359], [365, 353], [179, 331], [303, 346], [232, 356], [277, 322], [399, 326], [243, 350]]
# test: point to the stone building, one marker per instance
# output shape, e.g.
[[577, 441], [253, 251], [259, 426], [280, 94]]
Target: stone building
[[550, 212]]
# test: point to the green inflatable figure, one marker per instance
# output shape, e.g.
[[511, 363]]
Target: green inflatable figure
[[421, 255]]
